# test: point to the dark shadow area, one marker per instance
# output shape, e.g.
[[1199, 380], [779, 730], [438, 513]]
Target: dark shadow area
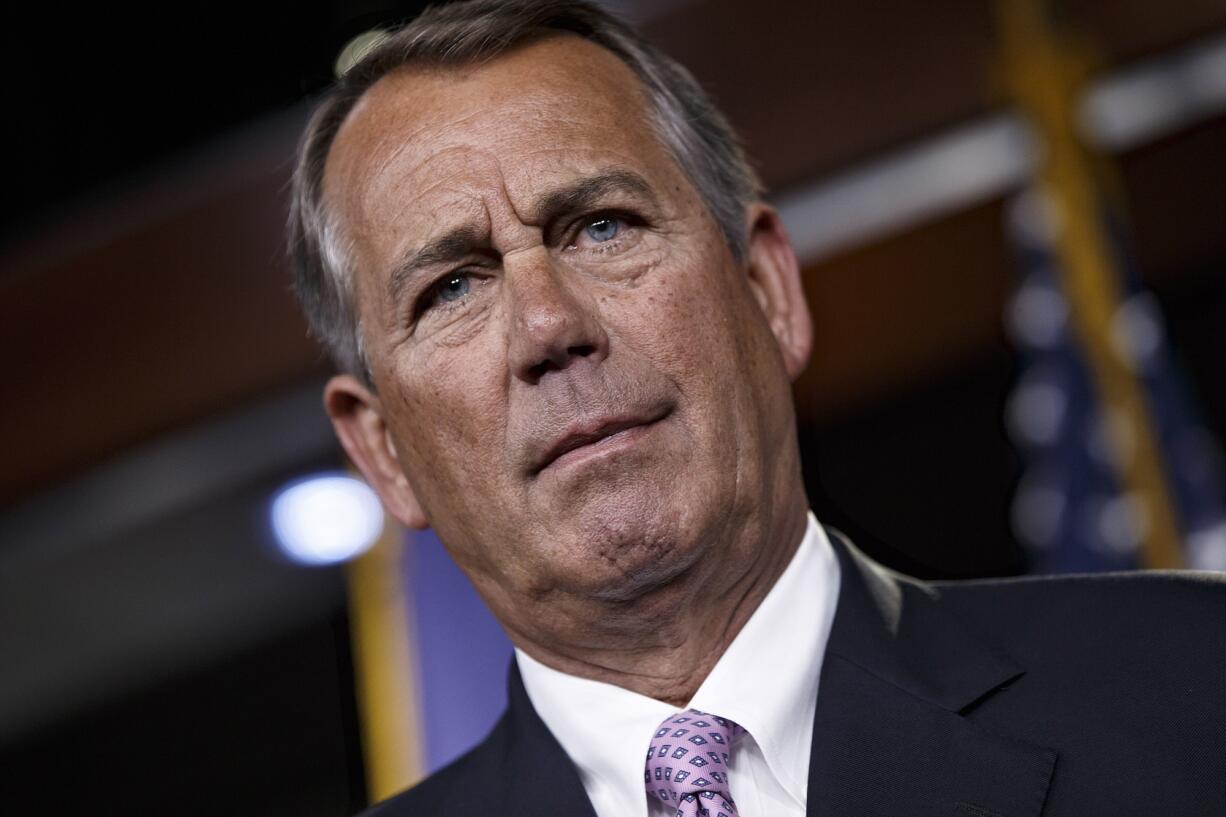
[[271, 731]]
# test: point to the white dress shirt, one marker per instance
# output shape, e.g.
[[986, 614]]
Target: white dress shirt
[[766, 681]]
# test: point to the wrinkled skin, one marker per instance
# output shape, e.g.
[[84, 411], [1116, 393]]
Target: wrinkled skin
[[636, 557]]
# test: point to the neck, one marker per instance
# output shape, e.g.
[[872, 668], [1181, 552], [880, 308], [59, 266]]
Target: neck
[[703, 610]]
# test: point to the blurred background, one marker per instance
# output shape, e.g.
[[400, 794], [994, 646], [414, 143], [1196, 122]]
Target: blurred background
[[1012, 222]]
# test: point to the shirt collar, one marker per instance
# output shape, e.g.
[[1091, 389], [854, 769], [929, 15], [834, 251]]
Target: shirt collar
[[766, 681]]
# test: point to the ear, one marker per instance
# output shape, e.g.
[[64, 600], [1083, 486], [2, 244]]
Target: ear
[[357, 416], [774, 277]]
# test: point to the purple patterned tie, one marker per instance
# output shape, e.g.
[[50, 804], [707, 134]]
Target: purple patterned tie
[[687, 764]]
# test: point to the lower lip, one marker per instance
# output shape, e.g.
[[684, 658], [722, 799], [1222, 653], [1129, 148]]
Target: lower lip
[[604, 447]]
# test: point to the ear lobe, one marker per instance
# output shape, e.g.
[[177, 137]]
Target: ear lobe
[[774, 276], [357, 417]]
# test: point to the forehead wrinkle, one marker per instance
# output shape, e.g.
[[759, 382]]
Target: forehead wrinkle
[[408, 112], [356, 158], [517, 137], [367, 166], [448, 169], [405, 107], [403, 212], [422, 135], [421, 141]]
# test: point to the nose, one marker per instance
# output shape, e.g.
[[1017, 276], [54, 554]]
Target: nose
[[553, 322]]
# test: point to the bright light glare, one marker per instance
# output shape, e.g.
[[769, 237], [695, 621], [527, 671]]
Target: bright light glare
[[357, 48], [326, 519]]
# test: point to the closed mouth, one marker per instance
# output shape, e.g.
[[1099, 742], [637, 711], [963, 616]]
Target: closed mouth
[[590, 436]]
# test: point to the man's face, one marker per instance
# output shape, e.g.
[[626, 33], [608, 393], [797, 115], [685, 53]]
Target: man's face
[[580, 386]]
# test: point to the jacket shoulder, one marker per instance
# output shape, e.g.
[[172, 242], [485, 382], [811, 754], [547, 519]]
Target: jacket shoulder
[[1145, 623], [1121, 677], [1177, 592], [460, 788]]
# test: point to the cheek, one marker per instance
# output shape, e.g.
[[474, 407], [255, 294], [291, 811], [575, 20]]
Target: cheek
[[451, 417], [701, 327], [685, 321]]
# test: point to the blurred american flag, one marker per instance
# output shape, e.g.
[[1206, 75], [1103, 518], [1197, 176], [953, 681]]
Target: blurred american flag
[[1073, 507]]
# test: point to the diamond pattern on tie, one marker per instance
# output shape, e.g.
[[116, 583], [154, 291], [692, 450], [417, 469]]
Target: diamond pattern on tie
[[687, 764]]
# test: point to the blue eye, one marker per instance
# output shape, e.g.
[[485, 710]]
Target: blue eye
[[453, 288], [603, 229]]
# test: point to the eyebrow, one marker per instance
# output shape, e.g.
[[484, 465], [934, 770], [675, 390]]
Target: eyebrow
[[456, 244], [584, 193], [448, 248]]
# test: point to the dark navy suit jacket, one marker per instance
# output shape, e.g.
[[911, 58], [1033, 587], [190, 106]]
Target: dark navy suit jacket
[[1063, 697]]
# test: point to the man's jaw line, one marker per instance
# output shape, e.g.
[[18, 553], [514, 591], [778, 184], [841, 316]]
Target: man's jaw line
[[668, 663]]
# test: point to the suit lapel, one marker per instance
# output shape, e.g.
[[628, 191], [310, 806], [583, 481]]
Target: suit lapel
[[889, 737], [540, 778], [890, 734]]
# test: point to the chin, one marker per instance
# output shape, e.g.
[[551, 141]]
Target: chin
[[628, 550]]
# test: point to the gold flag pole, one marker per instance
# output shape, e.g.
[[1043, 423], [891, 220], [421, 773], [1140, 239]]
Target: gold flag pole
[[1046, 70], [383, 654]]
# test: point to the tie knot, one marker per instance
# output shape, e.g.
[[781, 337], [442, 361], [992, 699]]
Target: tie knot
[[687, 764]]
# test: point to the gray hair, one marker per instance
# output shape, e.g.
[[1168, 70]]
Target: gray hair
[[685, 120]]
